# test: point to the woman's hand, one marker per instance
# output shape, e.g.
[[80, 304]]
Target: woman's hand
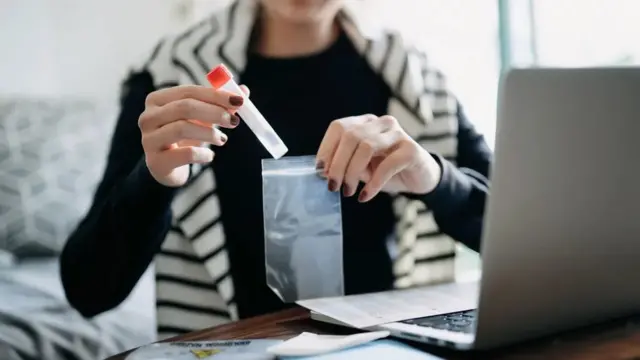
[[178, 125], [377, 151]]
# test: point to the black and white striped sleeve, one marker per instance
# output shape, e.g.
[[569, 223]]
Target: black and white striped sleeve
[[114, 244], [458, 202]]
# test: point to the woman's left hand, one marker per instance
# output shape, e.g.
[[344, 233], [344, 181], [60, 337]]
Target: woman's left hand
[[378, 152]]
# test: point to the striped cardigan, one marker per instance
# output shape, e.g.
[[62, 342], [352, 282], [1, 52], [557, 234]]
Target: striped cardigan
[[194, 288]]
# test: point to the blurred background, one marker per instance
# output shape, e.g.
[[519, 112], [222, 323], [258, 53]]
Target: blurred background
[[472, 40], [62, 62]]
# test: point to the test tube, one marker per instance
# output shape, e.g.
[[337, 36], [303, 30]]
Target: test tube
[[221, 78]]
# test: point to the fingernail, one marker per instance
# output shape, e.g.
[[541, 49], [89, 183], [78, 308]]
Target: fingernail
[[346, 190], [333, 185], [236, 100], [235, 120], [363, 196], [223, 138], [320, 165]]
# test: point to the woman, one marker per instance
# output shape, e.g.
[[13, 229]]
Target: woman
[[369, 107]]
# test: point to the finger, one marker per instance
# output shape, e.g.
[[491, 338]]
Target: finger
[[375, 161], [331, 140], [357, 167], [327, 148], [162, 138], [372, 136], [165, 162], [205, 94], [245, 90], [395, 162], [185, 142], [341, 158], [187, 109], [378, 141]]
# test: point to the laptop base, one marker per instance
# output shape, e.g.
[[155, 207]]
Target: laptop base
[[414, 331]]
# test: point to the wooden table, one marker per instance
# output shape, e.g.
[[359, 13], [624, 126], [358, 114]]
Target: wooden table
[[618, 340]]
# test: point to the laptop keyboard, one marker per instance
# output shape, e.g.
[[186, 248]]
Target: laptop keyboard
[[463, 322]]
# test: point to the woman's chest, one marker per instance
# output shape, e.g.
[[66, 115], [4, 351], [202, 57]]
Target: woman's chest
[[300, 115]]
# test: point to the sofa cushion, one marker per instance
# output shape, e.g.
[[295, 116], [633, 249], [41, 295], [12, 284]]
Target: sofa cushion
[[52, 153]]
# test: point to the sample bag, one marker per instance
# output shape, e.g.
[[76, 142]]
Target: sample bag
[[302, 230]]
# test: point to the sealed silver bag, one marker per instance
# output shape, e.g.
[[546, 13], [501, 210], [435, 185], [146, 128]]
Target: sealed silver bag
[[302, 230]]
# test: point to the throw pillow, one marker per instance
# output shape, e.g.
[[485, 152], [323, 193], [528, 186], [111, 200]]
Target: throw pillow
[[52, 154]]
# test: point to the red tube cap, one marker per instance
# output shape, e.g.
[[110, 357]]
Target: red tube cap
[[219, 76]]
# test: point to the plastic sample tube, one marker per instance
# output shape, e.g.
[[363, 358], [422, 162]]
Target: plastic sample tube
[[222, 79]]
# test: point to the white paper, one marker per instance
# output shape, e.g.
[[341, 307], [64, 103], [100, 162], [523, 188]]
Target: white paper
[[309, 344], [367, 310], [377, 350], [205, 350]]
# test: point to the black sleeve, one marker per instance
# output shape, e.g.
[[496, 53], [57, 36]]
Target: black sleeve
[[114, 244], [473, 151], [458, 202]]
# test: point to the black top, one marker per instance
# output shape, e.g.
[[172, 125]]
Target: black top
[[111, 248], [300, 97]]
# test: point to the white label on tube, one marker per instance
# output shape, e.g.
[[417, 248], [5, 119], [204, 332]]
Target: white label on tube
[[257, 123]]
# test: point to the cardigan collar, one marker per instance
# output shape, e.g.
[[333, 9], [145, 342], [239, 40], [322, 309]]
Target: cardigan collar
[[386, 52]]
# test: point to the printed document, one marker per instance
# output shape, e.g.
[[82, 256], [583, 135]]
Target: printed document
[[367, 310]]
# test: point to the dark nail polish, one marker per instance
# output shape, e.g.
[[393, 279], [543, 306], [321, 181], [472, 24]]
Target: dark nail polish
[[333, 185], [320, 165], [235, 120], [236, 100], [363, 196], [346, 190], [223, 138]]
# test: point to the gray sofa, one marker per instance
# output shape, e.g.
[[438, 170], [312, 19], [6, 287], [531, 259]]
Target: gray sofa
[[52, 154]]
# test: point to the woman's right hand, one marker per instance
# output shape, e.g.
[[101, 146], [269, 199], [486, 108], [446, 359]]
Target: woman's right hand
[[179, 123]]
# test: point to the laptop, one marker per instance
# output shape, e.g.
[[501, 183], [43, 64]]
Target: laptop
[[561, 238]]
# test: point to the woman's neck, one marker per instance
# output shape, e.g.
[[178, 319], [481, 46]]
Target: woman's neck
[[281, 38]]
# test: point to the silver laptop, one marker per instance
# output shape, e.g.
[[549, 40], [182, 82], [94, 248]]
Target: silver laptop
[[561, 241]]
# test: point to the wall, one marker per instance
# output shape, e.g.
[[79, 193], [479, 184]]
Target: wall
[[602, 33], [60, 47], [461, 39]]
